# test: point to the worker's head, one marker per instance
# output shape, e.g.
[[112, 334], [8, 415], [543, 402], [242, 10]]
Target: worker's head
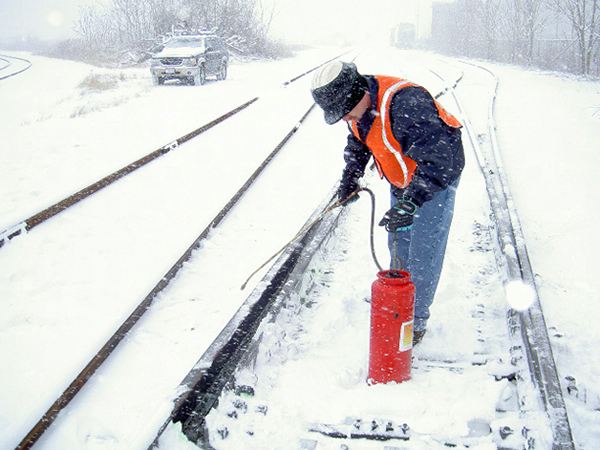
[[338, 88]]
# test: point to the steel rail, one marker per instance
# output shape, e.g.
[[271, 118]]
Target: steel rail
[[59, 207], [27, 224], [534, 331], [203, 385], [6, 61], [313, 69], [102, 355], [527, 327], [29, 64]]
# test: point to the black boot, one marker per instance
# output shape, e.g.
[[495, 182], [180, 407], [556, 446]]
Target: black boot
[[418, 336]]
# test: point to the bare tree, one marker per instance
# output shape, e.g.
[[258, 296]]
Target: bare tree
[[126, 25], [465, 39], [522, 21], [489, 18], [551, 34], [584, 16], [92, 26]]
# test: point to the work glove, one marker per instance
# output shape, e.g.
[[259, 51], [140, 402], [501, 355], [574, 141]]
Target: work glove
[[347, 186], [400, 217]]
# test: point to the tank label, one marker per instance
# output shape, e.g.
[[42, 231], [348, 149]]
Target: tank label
[[406, 336]]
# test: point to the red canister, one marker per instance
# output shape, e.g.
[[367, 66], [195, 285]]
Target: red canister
[[392, 317]]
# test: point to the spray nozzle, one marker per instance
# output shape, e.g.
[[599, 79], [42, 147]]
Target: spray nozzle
[[394, 274]]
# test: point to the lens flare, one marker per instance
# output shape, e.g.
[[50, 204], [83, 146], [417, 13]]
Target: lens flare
[[55, 19], [520, 296]]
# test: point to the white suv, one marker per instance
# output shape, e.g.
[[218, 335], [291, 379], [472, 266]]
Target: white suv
[[190, 59]]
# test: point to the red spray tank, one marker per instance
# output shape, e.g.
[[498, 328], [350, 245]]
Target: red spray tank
[[392, 317]]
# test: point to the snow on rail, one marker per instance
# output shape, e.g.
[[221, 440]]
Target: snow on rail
[[102, 355], [59, 207], [238, 341], [526, 319], [42, 216]]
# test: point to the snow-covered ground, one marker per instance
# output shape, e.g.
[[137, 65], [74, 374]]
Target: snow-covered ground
[[68, 284]]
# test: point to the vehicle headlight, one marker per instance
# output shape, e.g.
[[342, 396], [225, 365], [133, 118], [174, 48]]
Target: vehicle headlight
[[189, 61], [155, 62]]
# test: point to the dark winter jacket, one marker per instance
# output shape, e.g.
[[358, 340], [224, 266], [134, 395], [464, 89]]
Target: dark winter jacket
[[424, 137]]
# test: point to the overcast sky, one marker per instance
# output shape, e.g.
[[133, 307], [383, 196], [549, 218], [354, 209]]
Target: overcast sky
[[43, 19], [295, 20], [351, 18]]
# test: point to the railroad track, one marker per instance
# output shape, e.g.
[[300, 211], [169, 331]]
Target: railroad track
[[7, 71], [200, 390], [49, 212], [216, 383], [528, 330], [101, 356], [4, 63], [526, 324]]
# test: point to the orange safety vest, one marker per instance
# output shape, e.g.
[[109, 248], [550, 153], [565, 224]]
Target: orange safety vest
[[390, 161]]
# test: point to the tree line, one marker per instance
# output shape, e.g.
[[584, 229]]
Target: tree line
[[129, 29], [561, 35]]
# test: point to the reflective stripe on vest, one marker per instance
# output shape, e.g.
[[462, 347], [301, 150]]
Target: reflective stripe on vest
[[386, 125], [387, 151]]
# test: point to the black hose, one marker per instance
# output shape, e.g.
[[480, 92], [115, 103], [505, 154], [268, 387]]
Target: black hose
[[372, 227]]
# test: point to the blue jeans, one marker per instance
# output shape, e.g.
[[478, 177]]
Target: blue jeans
[[421, 249]]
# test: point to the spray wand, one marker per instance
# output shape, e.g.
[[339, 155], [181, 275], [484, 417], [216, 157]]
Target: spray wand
[[336, 204]]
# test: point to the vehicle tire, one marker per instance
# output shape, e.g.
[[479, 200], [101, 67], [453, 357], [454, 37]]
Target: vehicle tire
[[200, 77], [157, 80], [222, 71]]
